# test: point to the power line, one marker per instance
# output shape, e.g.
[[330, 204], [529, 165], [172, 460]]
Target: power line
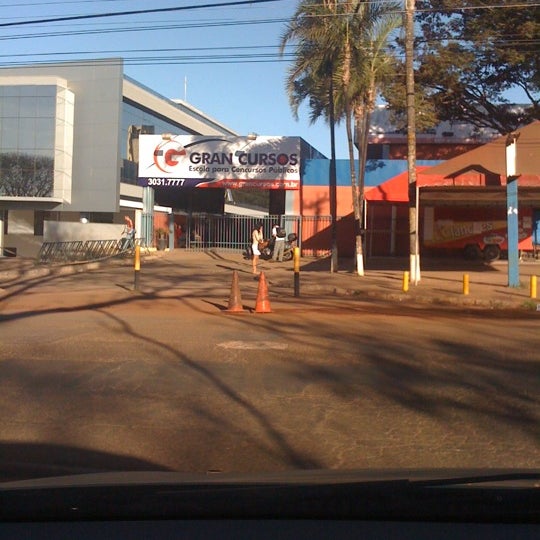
[[184, 26], [153, 50], [455, 9], [59, 2], [199, 55], [169, 61], [201, 24], [503, 41], [134, 12]]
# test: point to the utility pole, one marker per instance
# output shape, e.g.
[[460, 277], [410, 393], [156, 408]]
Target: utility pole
[[512, 205], [411, 143]]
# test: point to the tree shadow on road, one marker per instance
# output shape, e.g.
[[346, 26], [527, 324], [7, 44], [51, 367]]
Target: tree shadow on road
[[450, 381], [279, 447], [427, 373]]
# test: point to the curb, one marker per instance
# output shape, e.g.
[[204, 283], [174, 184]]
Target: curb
[[417, 297], [39, 271], [312, 289]]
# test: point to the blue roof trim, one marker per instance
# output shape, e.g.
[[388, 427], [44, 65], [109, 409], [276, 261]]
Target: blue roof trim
[[316, 172]]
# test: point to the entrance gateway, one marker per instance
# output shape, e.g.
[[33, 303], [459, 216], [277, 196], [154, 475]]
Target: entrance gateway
[[185, 171]]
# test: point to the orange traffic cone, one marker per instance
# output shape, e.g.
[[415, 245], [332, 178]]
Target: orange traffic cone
[[263, 302], [235, 300]]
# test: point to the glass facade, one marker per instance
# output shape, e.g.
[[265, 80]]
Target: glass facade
[[135, 121], [27, 140]]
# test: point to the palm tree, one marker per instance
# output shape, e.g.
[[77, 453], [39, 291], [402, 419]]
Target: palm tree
[[337, 67], [373, 67], [313, 29]]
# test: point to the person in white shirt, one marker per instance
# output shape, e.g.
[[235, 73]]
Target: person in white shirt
[[278, 234]]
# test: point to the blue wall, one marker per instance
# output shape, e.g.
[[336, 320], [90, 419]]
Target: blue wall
[[316, 172]]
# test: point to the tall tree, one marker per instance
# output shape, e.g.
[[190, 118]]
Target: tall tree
[[469, 54], [414, 255], [371, 68], [338, 63]]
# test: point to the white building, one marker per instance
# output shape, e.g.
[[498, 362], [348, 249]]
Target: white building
[[69, 151]]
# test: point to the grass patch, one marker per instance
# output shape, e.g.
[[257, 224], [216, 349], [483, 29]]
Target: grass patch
[[533, 305]]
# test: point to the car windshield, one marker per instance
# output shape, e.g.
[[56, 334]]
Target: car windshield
[[229, 244]]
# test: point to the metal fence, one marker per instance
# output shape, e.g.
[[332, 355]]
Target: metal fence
[[233, 232], [225, 233]]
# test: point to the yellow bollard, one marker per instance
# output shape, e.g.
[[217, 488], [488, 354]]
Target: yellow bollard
[[533, 286], [296, 259], [137, 266], [465, 284], [405, 281]]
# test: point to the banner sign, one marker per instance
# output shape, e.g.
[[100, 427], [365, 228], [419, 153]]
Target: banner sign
[[178, 161]]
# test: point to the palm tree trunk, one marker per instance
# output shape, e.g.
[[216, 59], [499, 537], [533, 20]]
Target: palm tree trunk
[[356, 198], [362, 138], [333, 181], [411, 142]]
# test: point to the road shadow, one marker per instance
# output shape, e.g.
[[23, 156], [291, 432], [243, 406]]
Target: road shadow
[[274, 444], [398, 264], [433, 376], [26, 460]]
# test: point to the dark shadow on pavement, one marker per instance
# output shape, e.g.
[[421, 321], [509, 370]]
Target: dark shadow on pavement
[[224, 308], [28, 460], [277, 444], [430, 264], [347, 265]]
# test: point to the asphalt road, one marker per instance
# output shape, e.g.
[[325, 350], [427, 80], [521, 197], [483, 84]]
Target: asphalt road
[[176, 383]]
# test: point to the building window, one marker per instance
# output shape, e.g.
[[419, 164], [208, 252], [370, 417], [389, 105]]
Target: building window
[[39, 220], [27, 140], [137, 120], [101, 217]]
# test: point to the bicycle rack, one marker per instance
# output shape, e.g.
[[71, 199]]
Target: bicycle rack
[[78, 251]]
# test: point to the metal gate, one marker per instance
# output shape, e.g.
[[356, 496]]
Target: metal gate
[[233, 232]]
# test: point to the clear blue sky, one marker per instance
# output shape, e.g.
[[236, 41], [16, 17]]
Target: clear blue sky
[[245, 96]]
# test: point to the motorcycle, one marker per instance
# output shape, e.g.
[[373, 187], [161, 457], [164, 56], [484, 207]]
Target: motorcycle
[[268, 249]]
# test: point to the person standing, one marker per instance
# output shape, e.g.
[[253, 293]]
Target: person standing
[[129, 231], [256, 238], [279, 243]]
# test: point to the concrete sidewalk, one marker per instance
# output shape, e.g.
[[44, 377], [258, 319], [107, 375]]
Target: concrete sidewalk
[[208, 273], [441, 283]]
